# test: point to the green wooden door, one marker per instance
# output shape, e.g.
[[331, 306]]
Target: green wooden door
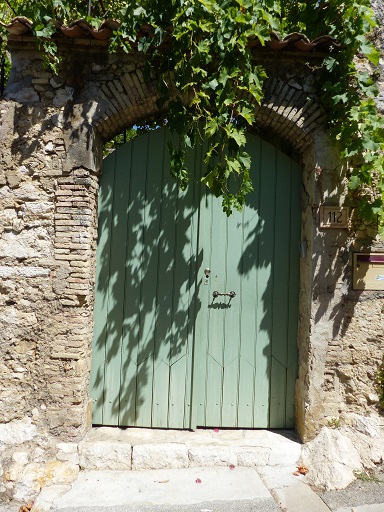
[[165, 352]]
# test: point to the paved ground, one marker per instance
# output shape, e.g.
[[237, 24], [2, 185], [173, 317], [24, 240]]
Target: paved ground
[[360, 496], [176, 489], [265, 487]]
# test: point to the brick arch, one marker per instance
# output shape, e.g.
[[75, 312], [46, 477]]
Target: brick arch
[[290, 110], [290, 113]]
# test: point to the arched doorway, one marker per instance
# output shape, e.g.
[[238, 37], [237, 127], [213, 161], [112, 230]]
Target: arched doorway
[[169, 352]]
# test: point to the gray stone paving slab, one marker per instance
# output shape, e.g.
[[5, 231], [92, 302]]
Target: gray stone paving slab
[[163, 487], [289, 491], [378, 507], [264, 505], [299, 498], [358, 494]]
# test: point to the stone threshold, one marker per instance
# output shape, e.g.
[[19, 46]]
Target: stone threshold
[[110, 448]]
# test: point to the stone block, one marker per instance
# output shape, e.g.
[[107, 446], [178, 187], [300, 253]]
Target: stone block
[[33, 243], [331, 459], [160, 456], [63, 96], [29, 192], [105, 455], [36, 475], [20, 460], [252, 456], [17, 431], [43, 502], [68, 452], [366, 426], [24, 271], [23, 96], [211, 456], [14, 178]]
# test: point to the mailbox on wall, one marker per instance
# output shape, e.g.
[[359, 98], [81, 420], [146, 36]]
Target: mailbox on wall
[[368, 271]]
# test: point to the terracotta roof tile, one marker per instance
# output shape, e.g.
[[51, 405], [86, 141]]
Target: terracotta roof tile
[[81, 29], [18, 26]]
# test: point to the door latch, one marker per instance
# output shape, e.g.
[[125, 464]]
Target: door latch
[[229, 294], [207, 273]]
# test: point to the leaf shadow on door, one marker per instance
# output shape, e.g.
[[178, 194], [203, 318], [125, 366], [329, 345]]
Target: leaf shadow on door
[[270, 265], [145, 295], [148, 293]]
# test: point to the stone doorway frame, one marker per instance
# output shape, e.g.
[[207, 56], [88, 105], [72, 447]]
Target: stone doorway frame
[[52, 130]]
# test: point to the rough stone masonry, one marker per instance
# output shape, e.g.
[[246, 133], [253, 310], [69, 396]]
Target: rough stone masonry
[[52, 129]]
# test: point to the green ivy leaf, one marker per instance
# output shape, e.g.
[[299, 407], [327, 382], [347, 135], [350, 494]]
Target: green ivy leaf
[[354, 182]]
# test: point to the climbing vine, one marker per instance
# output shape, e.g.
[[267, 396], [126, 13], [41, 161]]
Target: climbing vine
[[209, 63]]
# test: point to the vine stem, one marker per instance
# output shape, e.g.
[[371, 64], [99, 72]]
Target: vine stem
[[10, 6]]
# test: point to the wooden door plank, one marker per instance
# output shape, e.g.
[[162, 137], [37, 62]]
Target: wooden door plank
[[245, 413], [183, 285], [264, 277], [218, 310], [101, 292], [262, 393], [116, 283], [181, 346], [278, 395], [139, 276], [150, 292], [128, 390], [281, 261], [248, 268], [164, 325], [214, 388], [230, 405], [202, 294], [218, 280], [130, 402], [233, 313], [132, 284], [293, 300], [161, 375], [178, 413], [203, 319], [195, 160]]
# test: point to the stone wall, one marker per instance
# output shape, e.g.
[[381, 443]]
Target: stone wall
[[51, 131], [345, 337]]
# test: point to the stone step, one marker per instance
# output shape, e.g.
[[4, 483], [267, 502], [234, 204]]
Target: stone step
[[142, 449]]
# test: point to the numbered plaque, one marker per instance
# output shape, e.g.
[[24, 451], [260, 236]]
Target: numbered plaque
[[335, 217]]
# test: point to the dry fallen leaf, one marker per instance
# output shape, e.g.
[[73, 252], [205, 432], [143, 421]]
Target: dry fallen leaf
[[26, 508], [162, 481], [302, 470]]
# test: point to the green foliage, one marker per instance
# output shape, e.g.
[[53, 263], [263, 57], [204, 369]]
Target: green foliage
[[366, 475], [119, 140], [210, 66], [334, 423]]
